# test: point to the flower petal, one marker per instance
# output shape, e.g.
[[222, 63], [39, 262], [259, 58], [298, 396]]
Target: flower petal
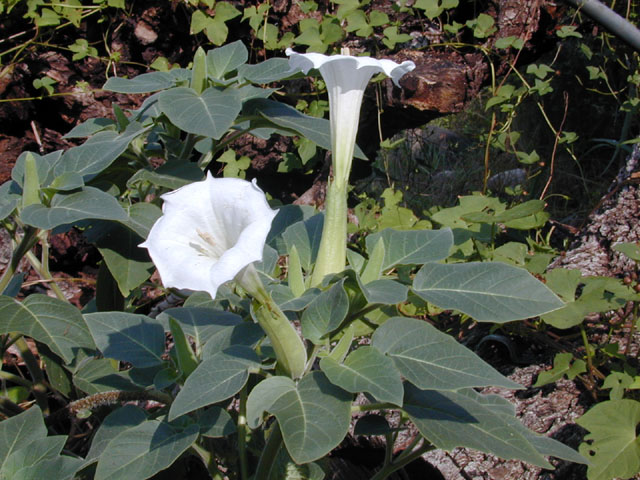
[[209, 232], [307, 61]]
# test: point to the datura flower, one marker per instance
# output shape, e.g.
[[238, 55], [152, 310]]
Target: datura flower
[[210, 233], [346, 78]]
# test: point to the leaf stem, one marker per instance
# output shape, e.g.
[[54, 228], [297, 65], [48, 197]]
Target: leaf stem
[[242, 434], [402, 460], [39, 387], [269, 454], [25, 244], [207, 459]]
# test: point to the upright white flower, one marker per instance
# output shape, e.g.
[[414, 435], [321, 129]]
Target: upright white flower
[[210, 231], [346, 78]]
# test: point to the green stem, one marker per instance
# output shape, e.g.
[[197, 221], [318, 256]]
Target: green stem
[[207, 459], [242, 434], [10, 377], [27, 242], [372, 406], [332, 253], [8, 408], [44, 273], [400, 462], [287, 344], [39, 387], [269, 454]]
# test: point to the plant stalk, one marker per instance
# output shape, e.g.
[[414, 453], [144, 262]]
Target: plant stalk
[[332, 253], [269, 454]]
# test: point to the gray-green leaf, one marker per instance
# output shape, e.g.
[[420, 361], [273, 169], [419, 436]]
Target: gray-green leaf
[[366, 370], [487, 291], [412, 247], [325, 313], [127, 337], [215, 379], [313, 415], [48, 320], [144, 450], [210, 114], [67, 209], [467, 419], [431, 359]]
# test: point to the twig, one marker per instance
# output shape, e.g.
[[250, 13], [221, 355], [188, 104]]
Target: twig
[[555, 147]]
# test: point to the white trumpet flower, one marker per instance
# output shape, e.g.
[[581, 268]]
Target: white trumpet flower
[[209, 233], [346, 78]]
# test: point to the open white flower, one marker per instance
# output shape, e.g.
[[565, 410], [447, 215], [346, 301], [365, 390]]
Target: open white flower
[[346, 78], [210, 231]]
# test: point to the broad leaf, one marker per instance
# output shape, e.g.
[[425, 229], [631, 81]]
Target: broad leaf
[[44, 166], [173, 174], [201, 323], [305, 235], [38, 459], [98, 152], [89, 127], [115, 423], [325, 313], [27, 453], [612, 445], [270, 70], [486, 291], [215, 422], [210, 114], [431, 359], [129, 264], [48, 320], [217, 378], [127, 337], [384, 291], [287, 301], [312, 128], [144, 450], [144, 83], [313, 415], [10, 196], [227, 58], [366, 370], [286, 216], [99, 375], [67, 209], [412, 247], [21, 430], [465, 418]]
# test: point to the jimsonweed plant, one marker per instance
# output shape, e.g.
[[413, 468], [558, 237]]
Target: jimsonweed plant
[[266, 356]]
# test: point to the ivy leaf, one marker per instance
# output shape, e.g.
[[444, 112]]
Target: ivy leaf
[[612, 445], [563, 364]]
